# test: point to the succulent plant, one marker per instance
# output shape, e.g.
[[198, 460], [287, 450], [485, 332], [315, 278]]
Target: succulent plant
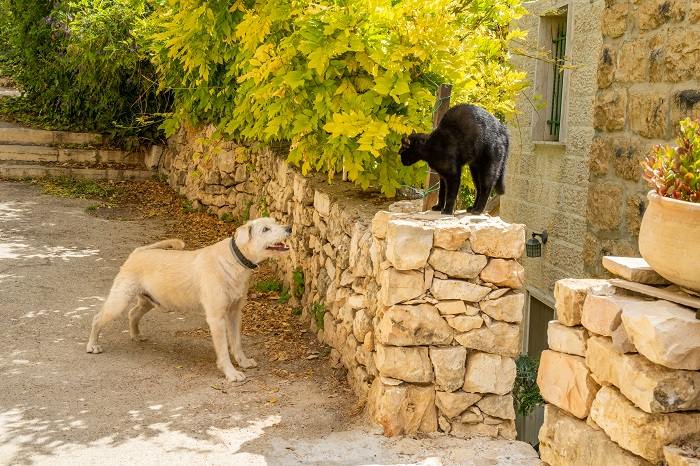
[[675, 171]]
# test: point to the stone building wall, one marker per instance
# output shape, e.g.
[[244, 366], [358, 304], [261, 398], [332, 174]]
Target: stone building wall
[[547, 182], [648, 79], [621, 379], [423, 310]]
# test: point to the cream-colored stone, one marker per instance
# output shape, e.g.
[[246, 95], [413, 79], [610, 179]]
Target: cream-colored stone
[[570, 340], [495, 294], [466, 431], [450, 236], [410, 364], [641, 433], [451, 307], [408, 244], [621, 341], [454, 404], [403, 325], [508, 308], [489, 373], [634, 269], [651, 387], [457, 289], [465, 323], [398, 286], [449, 364], [566, 382], [569, 295], [322, 203], [361, 325], [687, 454], [500, 406], [664, 332], [457, 264], [403, 409], [601, 315], [495, 337], [567, 441], [502, 272], [472, 415], [497, 238]]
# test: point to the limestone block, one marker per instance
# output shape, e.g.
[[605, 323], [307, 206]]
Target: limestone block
[[404, 325], [449, 364], [380, 222], [621, 341], [634, 269], [408, 244], [500, 406], [566, 382], [569, 295], [603, 314], [322, 203], [495, 337], [489, 373], [455, 307], [664, 332], [361, 324], [508, 308], [402, 409], [570, 340], [686, 454], [610, 110], [464, 323], [653, 13], [648, 114], [397, 286], [567, 441], [457, 264], [651, 387], [497, 238], [641, 433], [502, 429], [410, 364], [454, 404], [502, 272], [450, 236], [458, 289], [615, 19]]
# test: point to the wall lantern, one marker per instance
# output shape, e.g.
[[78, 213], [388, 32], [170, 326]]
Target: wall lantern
[[533, 247]]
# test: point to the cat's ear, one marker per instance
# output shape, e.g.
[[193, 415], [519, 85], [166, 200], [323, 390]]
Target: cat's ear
[[405, 142]]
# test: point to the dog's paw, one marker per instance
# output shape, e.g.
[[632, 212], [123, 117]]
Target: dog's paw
[[247, 363], [234, 376], [94, 349]]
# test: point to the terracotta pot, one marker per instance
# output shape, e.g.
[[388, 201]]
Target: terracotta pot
[[669, 240]]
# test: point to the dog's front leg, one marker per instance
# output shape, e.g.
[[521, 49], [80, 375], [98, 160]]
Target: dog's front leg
[[217, 326], [234, 335]]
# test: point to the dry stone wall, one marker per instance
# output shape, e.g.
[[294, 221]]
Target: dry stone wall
[[621, 379], [423, 310]]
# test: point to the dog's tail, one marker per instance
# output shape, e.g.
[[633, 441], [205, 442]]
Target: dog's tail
[[165, 244]]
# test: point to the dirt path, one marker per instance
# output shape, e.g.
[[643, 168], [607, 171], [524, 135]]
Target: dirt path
[[163, 401]]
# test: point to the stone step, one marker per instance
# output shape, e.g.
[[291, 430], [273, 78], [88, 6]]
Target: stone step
[[31, 137], [32, 153], [19, 171]]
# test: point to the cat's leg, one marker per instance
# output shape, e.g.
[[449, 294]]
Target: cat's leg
[[452, 184], [441, 196], [488, 181], [476, 177]]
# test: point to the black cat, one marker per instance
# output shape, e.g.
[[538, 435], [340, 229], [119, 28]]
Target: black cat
[[467, 135]]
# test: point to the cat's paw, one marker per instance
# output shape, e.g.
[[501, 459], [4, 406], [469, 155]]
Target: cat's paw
[[447, 212], [436, 208]]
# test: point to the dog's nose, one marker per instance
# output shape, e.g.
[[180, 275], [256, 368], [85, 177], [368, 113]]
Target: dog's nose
[[288, 229]]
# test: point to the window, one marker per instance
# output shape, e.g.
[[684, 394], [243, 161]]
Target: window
[[551, 77]]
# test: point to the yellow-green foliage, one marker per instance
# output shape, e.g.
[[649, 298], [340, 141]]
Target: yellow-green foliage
[[341, 80]]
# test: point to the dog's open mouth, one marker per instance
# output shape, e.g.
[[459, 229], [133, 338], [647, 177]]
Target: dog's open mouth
[[278, 247]]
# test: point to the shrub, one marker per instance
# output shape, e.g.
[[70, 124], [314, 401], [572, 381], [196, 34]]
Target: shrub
[[675, 171], [341, 81], [526, 393]]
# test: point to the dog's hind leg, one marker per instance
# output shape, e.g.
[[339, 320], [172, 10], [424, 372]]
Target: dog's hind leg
[[233, 332], [142, 306], [120, 296]]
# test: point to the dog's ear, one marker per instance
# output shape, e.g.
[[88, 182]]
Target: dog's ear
[[243, 234]]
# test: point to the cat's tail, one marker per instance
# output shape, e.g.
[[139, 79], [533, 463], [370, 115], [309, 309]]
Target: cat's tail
[[500, 186]]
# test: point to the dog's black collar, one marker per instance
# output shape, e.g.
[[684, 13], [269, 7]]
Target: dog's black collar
[[244, 261]]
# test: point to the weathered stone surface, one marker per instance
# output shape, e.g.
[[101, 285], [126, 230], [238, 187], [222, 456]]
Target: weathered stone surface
[[687, 454], [454, 404], [404, 325], [634, 269], [497, 406], [648, 114], [502, 272], [603, 314], [570, 340], [380, 222], [454, 307], [508, 308], [641, 433], [322, 203], [398, 286], [457, 289], [489, 373], [565, 381], [361, 324], [621, 341], [457, 264], [449, 364], [495, 337], [664, 332], [603, 205], [569, 295], [498, 239], [567, 441], [403, 409], [651, 387], [610, 110], [408, 244], [410, 364], [615, 19], [465, 323], [450, 236]]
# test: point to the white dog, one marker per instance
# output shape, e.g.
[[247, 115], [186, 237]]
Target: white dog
[[214, 278]]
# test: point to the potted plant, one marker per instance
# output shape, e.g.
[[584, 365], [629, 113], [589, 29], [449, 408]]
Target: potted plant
[[669, 236]]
